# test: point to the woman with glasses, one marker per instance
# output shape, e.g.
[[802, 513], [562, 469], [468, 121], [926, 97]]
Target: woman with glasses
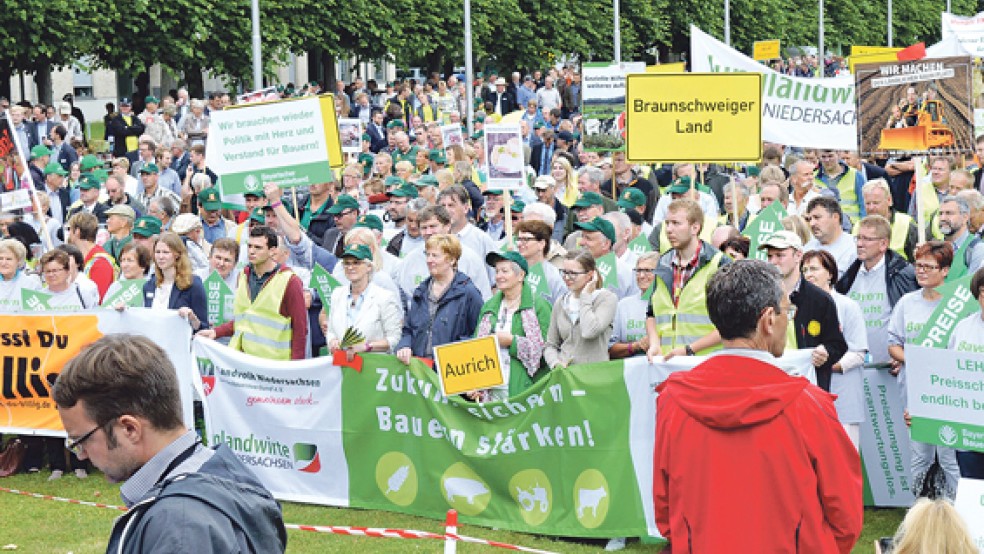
[[362, 305], [911, 313], [519, 320], [445, 307], [533, 242], [820, 268], [64, 294], [581, 322], [629, 337], [14, 275]]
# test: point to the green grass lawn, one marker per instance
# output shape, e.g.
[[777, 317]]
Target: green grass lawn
[[44, 526]]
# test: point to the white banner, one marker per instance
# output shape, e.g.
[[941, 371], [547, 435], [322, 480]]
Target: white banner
[[885, 442], [969, 31], [946, 396], [970, 505], [282, 419], [817, 113]]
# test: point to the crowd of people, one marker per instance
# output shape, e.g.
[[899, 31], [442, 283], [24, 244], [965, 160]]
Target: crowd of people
[[590, 259]]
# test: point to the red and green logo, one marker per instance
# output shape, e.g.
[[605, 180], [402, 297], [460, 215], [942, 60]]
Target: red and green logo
[[307, 454], [207, 371]]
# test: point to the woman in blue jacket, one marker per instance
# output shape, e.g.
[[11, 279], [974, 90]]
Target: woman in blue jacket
[[444, 307], [173, 286]]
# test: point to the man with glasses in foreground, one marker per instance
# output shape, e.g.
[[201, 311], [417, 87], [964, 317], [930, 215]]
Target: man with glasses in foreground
[[778, 434], [120, 405]]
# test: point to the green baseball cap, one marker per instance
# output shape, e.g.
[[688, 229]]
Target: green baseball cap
[[150, 168], [518, 206], [100, 175], [493, 258], [394, 181], [40, 151], [370, 221], [492, 192], [151, 100], [258, 216], [427, 181], [437, 156], [55, 168], [600, 225], [587, 200], [632, 198], [680, 185], [477, 135], [210, 199], [147, 226], [357, 251], [366, 137], [89, 162], [406, 191], [395, 123], [365, 158], [342, 203], [88, 182]]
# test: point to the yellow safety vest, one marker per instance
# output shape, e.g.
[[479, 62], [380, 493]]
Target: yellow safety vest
[[260, 329], [848, 195], [900, 233], [710, 223], [688, 320]]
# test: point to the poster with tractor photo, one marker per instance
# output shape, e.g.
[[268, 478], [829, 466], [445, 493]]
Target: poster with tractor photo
[[915, 107]]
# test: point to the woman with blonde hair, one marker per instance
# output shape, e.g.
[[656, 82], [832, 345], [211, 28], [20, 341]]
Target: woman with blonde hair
[[933, 527], [797, 224], [455, 153], [14, 275], [563, 173], [384, 264], [173, 285]]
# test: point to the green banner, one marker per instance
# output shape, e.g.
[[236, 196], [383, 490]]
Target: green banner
[[957, 303], [609, 270], [219, 299], [769, 221], [130, 294], [548, 460], [324, 283], [34, 300]]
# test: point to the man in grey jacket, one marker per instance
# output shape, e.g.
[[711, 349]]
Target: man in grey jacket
[[120, 405]]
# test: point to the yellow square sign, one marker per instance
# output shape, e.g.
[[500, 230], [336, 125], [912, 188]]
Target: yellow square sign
[[469, 365], [693, 117], [764, 50]]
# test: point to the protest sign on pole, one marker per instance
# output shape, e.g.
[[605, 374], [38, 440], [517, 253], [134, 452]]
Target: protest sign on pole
[[469, 365], [884, 443], [130, 294], [292, 143], [915, 107], [693, 117], [769, 221], [350, 135], [765, 50], [219, 299], [504, 156], [36, 347], [944, 394], [795, 110], [603, 103], [15, 200]]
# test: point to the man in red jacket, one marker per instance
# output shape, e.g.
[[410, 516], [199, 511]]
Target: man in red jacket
[[748, 458]]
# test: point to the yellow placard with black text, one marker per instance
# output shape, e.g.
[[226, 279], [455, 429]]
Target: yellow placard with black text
[[469, 365], [764, 50], [693, 117]]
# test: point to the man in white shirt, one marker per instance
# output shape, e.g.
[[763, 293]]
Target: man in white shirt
[[548, 97], [826, 220], [803, 185], [457, 202]]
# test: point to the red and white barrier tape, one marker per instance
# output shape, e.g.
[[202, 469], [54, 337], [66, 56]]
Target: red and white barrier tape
[[375, 532]]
